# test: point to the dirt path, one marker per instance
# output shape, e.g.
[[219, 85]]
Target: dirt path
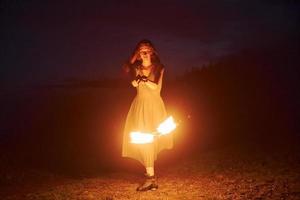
[[216, 175]]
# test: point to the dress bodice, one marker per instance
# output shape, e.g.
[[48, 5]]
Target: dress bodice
[[143, 90], [150, 76]]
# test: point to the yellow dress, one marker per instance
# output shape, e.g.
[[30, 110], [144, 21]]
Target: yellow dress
[[146, 112]]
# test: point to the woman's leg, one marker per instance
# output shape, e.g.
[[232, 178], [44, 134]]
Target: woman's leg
[[148, 156], [150, 171]]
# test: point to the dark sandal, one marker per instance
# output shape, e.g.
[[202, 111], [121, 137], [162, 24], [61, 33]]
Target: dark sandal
[[149, 184]]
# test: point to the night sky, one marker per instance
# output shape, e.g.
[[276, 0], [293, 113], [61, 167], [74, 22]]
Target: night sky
[[50, 41]]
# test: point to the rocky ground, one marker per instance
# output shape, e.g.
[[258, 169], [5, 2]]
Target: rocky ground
[[222, 174]]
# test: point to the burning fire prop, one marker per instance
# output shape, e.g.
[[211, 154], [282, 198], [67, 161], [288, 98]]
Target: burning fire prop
[[164, 128]]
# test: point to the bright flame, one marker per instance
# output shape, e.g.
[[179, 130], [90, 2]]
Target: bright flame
[[167, 126], [164, 128], [141, 138]]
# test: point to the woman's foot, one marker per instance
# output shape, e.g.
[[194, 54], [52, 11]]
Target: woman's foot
[[149, 184]]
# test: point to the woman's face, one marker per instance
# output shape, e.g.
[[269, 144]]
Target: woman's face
[[145, 53]]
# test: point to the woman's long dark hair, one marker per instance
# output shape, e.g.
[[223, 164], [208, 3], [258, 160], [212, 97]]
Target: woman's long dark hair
[[158, 66]]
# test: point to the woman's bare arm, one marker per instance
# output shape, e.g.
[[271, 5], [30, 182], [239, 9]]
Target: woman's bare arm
[[160, 80]]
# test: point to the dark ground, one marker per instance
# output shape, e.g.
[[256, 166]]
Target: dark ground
[[222, 174]]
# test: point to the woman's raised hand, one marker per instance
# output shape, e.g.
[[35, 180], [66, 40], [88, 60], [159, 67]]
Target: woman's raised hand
[[134, 56]]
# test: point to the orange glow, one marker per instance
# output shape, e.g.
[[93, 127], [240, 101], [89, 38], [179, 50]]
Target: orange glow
[[164, 128]]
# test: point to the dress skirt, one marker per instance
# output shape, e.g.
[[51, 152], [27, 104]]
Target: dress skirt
[[146, 112]]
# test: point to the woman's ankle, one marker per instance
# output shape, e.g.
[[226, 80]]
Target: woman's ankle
[[150, 171]]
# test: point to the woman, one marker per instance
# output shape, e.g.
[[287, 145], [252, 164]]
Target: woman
[[147, 110]]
